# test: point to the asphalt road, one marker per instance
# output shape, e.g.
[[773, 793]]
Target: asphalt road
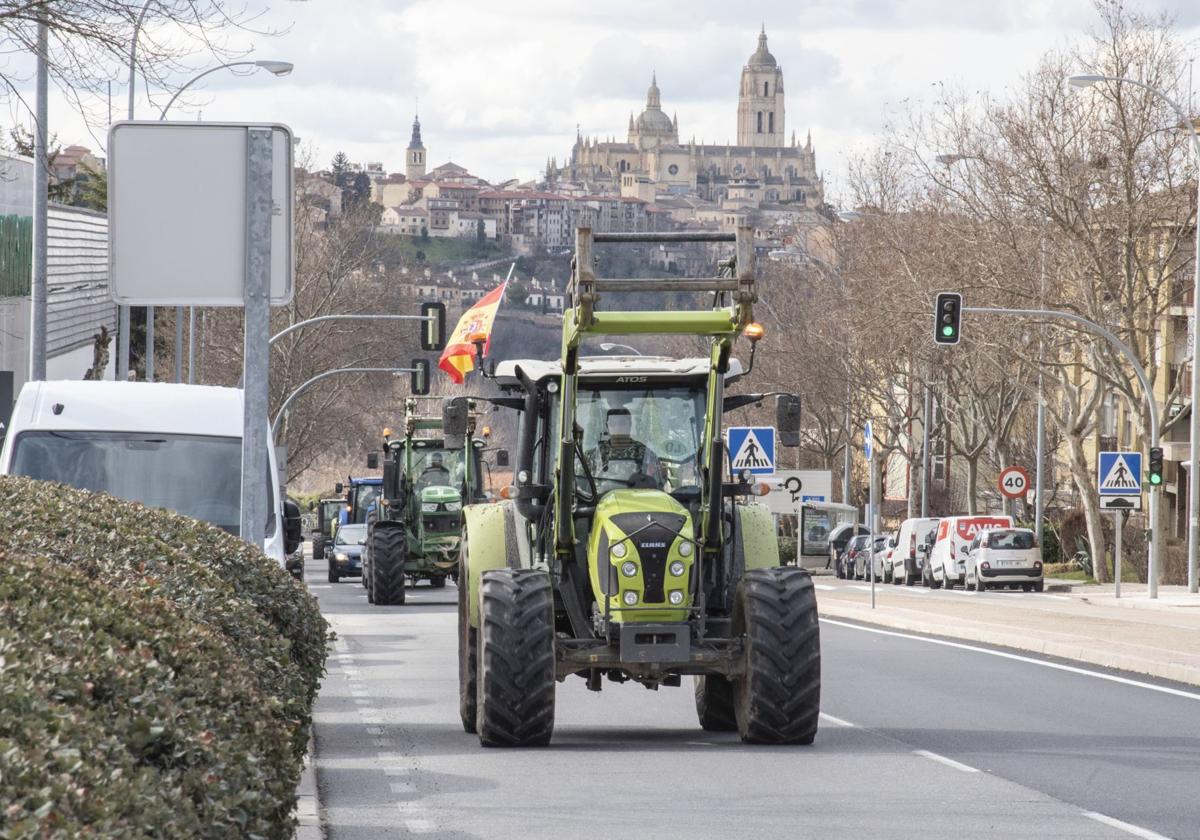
[[918, 739]]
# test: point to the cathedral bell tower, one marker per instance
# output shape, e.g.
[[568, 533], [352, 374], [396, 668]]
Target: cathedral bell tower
[[414, 160], [760, 100]]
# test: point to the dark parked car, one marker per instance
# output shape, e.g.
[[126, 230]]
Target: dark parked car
[[839, 537], [345, 555], [850, 564]]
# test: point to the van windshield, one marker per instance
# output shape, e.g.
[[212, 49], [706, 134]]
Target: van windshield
[[194, 475], [1010, 540]]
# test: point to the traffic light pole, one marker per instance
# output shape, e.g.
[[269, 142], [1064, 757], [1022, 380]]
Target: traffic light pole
[[1152, 406]]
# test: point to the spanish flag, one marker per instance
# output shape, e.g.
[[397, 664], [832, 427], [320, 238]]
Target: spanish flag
[[458, 359]]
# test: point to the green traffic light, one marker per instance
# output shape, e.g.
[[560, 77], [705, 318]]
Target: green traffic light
[[1155, 478], [947, 331]]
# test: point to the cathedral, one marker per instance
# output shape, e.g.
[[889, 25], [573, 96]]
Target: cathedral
[[763, 166]]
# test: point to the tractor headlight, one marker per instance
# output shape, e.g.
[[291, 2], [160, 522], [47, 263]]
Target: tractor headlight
[[619, 550], [629, 568], [453, 506], [685, 549], [677, 568], [676, 597], [630, 598], [429, 507]]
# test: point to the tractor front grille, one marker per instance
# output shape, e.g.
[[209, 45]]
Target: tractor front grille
[[655, 533], [441, 523]]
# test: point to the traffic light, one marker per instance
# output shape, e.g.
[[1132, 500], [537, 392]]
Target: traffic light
[[946, 316], [1156, 466], [433, 328]]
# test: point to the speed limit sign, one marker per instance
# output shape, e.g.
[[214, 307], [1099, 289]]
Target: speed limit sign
[[1014, 481]]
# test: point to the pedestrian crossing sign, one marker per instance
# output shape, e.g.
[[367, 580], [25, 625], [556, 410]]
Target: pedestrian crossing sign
[[752, 448], [1120, 473]]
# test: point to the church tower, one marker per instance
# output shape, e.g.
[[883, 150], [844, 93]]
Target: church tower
[[760, 100], [414, 162]]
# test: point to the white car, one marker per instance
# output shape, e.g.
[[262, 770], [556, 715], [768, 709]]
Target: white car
[[1002, 557], [169, 446], [947, 564], [907, 561]]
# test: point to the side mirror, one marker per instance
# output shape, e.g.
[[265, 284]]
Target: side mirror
[[454, 422], [293, 530], [372, 460], [433, 328], [339, 489], [419, 385], [787, 419], [501, 457], [312, 505]]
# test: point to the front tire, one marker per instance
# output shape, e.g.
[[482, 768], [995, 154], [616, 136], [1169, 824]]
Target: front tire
[[714, 703], [387, 566], [516, 659], [468, 659], [333, 572], [778, 699]]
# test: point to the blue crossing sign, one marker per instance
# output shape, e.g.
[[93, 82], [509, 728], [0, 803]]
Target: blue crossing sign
[[1119, 474], [752, 448]]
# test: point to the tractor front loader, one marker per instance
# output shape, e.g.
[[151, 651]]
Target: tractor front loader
[[625, 552]]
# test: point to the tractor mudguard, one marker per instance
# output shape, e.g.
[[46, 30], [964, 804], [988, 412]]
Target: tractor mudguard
[[489, 542], [756, 532]]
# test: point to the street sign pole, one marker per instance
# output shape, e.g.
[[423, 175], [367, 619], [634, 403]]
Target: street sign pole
[[869, 450], [1120, 517], [256, 351]]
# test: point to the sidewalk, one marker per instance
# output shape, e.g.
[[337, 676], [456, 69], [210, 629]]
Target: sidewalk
[[1084, 623]]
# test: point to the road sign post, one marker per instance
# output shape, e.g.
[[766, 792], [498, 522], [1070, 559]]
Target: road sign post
[[869, 451], [1120, 518], [1014, 484]]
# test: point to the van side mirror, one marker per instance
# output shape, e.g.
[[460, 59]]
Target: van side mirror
[[372, 460], [293, 530], [339, 489], [419, 384], [787, 419], [501, 457], [454, 422]]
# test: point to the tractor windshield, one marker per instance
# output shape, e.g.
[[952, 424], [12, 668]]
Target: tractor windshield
[[646, 437], [437, 467]]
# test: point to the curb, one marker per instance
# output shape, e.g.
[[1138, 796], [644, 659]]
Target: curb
[[308, 803], [1079, 651]]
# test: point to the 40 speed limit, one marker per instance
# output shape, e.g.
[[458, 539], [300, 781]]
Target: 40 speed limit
[[1014, 482]]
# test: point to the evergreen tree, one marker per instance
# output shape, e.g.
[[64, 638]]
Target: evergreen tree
[[340, 167]]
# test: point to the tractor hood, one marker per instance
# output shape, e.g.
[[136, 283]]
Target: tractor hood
[[440, 494], [638, 536]]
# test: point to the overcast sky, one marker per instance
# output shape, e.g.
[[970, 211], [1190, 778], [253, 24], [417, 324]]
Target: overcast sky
[[502, 85]]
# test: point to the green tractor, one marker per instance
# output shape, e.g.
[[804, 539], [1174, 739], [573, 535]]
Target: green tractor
[[624, 551], [328, 511], [415, 527]]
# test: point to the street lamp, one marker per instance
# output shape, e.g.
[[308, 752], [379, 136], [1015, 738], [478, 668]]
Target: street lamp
[[1085, 80], [608, 347], [277, 68]]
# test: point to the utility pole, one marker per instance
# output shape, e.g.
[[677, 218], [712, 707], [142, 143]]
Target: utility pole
[[41, 209]]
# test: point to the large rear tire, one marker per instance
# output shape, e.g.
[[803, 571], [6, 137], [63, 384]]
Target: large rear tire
[[714, 703], [515, 705], [438, 581], [778, 699], [468, 658], [388, 547]]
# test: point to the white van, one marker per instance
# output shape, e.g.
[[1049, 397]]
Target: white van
[[947, 560], [169, 446], [906, 562]]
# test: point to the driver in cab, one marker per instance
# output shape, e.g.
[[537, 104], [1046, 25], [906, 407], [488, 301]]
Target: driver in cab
[[435, 474], [620, 457]]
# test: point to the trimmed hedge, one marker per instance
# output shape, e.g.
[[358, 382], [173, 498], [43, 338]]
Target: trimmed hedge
[[156, 674]]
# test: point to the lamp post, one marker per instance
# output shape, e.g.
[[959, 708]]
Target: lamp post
[[277, 68], [1193, 543]]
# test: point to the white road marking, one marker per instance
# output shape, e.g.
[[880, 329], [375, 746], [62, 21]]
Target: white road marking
[[1071, 669], [838, 721], [318, 586], [1128, 828], [403, 787], [824, 587], [420, 826], [949, 762]]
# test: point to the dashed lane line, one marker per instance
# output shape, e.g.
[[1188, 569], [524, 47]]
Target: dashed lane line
[[949, 762], [836, 721], [1128, 828]]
